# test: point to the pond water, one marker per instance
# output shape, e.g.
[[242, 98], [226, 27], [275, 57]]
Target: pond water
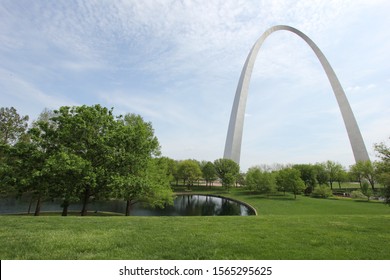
[[184, 205], [198, 205]]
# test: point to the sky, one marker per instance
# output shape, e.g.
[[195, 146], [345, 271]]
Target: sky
[[177, 64]]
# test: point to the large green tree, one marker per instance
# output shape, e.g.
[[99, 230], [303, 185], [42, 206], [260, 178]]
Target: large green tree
[[209, 173], [289, 179], [66, 174], [322, 175], [333, 170], [260, 181], [308, 175], [134, 146], [227, 170], [85, 132], [27, 161], [365, 170], [189, 171]]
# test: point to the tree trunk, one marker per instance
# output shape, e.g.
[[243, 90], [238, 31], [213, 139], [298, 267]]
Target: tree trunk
[[29, 206], [128, 207], [339, 185], [38, 207], [65, 206], [87, 194], [372, 183]]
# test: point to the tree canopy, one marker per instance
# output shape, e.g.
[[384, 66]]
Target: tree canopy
[[227, 170], [289, 180], [12, 125], [82, 152]]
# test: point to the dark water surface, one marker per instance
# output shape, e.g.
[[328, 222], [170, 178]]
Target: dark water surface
[[184, 205]]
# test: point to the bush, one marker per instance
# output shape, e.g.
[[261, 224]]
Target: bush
[[357, 194], [322, 191]]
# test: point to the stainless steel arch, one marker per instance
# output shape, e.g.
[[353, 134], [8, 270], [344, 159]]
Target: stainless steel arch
[[234, 136]]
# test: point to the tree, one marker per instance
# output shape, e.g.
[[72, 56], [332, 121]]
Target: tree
[[67, 173], [383, 152], [366, 191], [227, 170], [260, 181], [289, 180], [152, 188], [332, 169], [7, 179], [27, 161], [189, 171], [86, 132], [342, 176], [209, 173], [364, 170], [383, 169], [171, 167], [308, 175], [322, 175], [134, 145], [12, 125]]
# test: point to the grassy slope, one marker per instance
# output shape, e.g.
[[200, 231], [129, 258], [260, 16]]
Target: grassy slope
[[285, 229]]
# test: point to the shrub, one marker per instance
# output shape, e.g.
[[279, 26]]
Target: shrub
[[357, 194], [322, 191]]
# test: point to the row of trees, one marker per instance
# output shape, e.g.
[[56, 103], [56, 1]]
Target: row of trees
[[191, 171], [82, 152], [315, 179]]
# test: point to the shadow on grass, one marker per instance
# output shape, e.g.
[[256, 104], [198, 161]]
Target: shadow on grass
[[70, 213]]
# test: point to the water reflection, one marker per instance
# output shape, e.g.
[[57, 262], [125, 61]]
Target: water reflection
[[203, 205], [184, 205]]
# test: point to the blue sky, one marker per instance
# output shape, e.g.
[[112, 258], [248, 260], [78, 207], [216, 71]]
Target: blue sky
[[177, 64]]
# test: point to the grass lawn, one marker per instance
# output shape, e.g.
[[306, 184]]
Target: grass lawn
[[285, 228]]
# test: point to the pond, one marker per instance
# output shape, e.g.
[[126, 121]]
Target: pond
[[198, 205], [184, 205]]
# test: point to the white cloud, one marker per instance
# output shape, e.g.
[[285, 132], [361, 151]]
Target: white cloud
[[32, 100]]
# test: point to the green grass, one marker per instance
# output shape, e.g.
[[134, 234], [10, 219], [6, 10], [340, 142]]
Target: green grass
[[305, 228]]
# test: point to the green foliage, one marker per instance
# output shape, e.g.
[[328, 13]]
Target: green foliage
[[333, 169], [357, 194], [227, 170], [209, 173], [12, 125], [189, 171], [160, 192], [80, 152], [366, 191], [383, 169], [289, 180], [322, 175], [322, 192], [134, 144], [364, 170], [308, 174], [260, 181], [67, 174]]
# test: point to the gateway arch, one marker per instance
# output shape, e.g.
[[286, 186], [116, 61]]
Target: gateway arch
[[234, 135]]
